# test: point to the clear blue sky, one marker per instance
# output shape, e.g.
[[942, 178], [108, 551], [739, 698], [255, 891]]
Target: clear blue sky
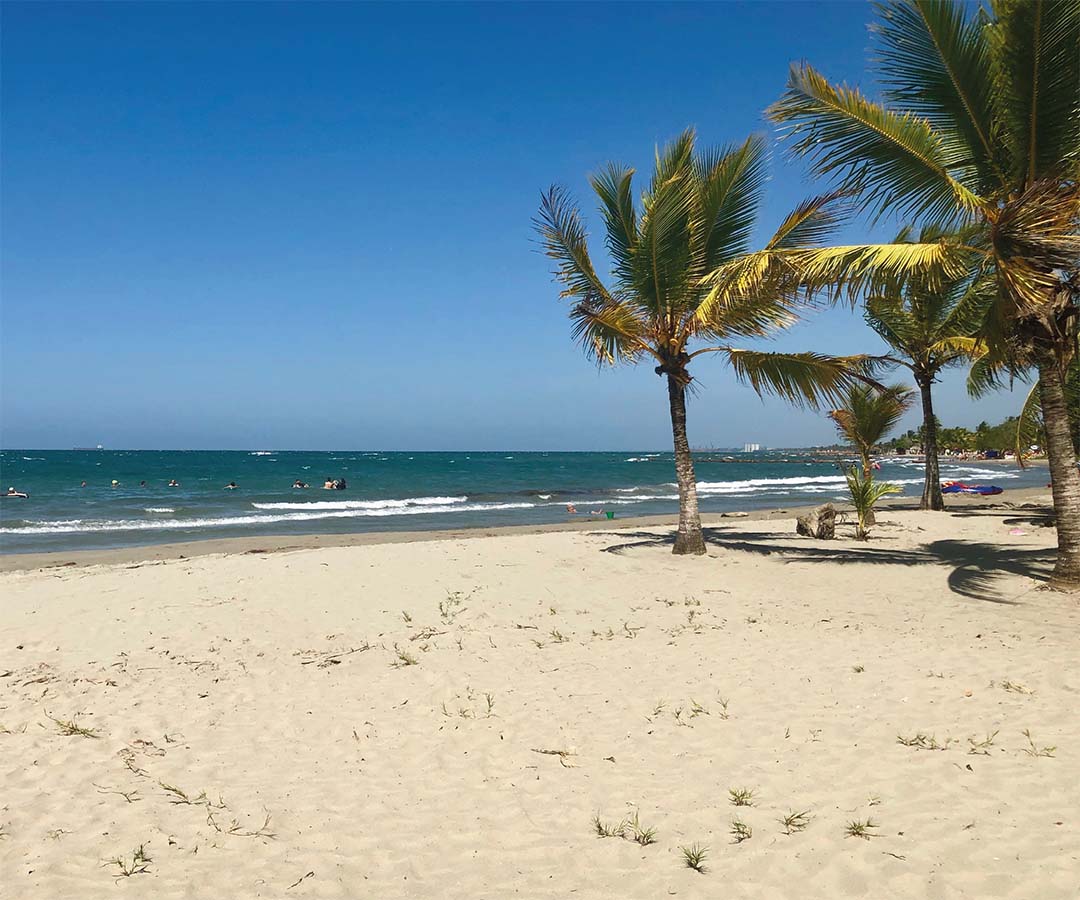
[[308, 225]]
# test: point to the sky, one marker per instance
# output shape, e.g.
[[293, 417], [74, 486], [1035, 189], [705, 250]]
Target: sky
[[309, 225]]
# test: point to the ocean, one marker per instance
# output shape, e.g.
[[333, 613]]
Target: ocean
[[395, 491]]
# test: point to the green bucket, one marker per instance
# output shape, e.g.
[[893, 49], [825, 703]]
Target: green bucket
[[610, 515]]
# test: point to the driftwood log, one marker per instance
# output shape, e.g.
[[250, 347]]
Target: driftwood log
[[819, 523]]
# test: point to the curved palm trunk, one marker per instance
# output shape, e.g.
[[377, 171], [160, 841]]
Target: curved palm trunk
[[1064, 476], [689, 538], [931, 495]]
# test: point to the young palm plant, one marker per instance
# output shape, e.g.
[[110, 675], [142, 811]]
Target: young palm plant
[[979, 124], [679, 278], [865, 493], [930, 322], [868, 415]]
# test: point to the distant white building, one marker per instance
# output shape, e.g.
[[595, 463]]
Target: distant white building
[[751, 448]]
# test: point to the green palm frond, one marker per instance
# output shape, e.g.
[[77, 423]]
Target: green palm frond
[[802, 379], [936, 63], [730, 182], [894, 161], [1028, 424], [811, 222], [852, 270], [613, 185], [1037, 75], [865, 493], [610, 332], [868, 415], [663, 259], [563, 237]]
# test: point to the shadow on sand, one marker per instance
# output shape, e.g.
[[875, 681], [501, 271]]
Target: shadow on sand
[[976, 566]]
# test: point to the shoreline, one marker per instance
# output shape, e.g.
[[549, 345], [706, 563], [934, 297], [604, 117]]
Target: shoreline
[[282, 543]]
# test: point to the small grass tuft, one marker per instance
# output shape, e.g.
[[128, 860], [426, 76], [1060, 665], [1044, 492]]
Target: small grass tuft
[[403, 658], [607, 829], [640, 834], [1033, 749], [861, 829], [981, 748], [858, 669], [795, 822], [922, 741], [71, 728], [138, 864], [694, 857], [741, 797], [740, 831]]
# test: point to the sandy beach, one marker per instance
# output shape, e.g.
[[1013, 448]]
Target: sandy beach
[[449, 717]]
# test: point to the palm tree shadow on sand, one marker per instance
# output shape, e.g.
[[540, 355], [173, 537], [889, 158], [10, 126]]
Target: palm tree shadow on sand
[[977, 567]]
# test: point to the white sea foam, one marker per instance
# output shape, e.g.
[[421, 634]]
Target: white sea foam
[[159, 509], [364, 504], [261, 453], [82, 526]]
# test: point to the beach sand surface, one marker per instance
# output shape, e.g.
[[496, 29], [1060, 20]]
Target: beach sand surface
[[447, 718]]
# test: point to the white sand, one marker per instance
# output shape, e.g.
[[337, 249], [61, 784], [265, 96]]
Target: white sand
[[214, 674]]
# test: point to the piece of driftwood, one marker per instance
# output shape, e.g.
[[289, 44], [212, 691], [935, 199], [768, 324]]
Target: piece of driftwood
[[819, 523]]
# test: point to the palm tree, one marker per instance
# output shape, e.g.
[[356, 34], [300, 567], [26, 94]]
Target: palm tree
[[979, 124], [680, 265], [930, 323], [868, 415]]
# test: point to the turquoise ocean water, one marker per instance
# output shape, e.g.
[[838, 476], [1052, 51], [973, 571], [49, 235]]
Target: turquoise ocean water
[[393, 491]]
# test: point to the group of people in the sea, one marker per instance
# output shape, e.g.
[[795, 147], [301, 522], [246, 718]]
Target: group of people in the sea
[[331, 484]]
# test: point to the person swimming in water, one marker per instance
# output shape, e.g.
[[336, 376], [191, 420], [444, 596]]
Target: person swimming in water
[[231, 486], [299, 484], [174, 483], [11, 492]]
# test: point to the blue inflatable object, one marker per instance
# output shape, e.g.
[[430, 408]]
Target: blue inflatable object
[[958, 487]]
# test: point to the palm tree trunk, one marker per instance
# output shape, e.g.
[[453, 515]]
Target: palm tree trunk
[[931, 495], [1064, 476], [689, 538]]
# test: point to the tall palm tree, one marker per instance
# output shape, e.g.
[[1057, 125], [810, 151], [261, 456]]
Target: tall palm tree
[[679, 277], [866, 417], [979, 124], [930, 322]]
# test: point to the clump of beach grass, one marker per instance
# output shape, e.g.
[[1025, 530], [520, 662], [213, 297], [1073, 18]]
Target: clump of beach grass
[[861, 829], [741, 796], [694, 857], [71, 728], [137, 864], [795, 822], [922, 741], [981, 748], [1033, 750], [403, 658], [740, 831]]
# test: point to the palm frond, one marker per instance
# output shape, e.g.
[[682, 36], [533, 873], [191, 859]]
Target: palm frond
[[853, 269], [1028, 424], [894, 161], [802, 379], [663, 259], [730, 184], [867, 415], [609, 331], [613, 185], [935, 62], [1037, 74], [813, 220], [563, 236]]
